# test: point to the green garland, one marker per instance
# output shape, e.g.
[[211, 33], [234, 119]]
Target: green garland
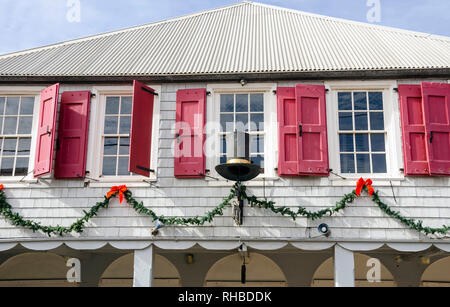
[[238, 189]]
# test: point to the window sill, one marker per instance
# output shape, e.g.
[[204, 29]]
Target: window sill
[[136, 182], [257, 182], [380, 181]]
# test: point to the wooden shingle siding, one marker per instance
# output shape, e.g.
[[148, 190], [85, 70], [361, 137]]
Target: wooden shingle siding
[[64, 201]]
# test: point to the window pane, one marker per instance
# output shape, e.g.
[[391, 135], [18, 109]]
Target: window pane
[[242, 122], [7, 167], [242, 103], [345, 101], [363, 161], [227, 103], [346, 141], [111, 123], [25, 125], [124, 146], [378, 142], [257, 144], [377, 121], [360, 100], [362, 142], [9, 147], [112, 105], [257, 102], [110, 147], [21, 166], [123, 166], [2, 105], [10, 125], [12, 106], [345, 121], [24, 147], [27, 106], [109, 166], [125, 124], [1, 124], [347, 164], [126, 105], [361, 121], [257, 122], [227, 122], [379, 163], [376, 101], [258, 160]]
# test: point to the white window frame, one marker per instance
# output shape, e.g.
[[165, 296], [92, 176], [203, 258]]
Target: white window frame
[[394, 157], [94, 161], [25, 91], [270, 127]]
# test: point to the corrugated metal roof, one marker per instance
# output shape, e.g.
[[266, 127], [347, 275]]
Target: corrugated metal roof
[[244, 38]]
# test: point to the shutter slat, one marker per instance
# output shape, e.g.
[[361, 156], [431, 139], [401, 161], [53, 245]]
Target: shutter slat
[[46, 131], [141, 129], [313, 144], [288, 131], [190, 158], [415, 150], [73, 135], [436, 106]]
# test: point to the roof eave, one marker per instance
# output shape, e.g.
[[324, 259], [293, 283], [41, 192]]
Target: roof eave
[[443, 73]]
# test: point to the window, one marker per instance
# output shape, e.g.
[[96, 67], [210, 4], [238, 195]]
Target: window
[[16, 121], [243, 112], [253, 109], [116, 136], [362, 135], [109, 137]]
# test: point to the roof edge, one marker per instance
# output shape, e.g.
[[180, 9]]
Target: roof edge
[[443, 73]]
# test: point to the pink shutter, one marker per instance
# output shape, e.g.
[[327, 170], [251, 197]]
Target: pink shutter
[[141, 129], [313, 145], [72, 135], [190, 137], [288, 132], [436, 105], [413, 128], [46, 131]]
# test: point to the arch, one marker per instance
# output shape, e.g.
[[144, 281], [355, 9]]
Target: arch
[[437, 274], [324, 275], [120, 273], [35, 270], [260, 272]]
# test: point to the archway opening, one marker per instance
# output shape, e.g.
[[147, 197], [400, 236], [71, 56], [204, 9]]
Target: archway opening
[[120, 273], [260, 272], [437, 274], [324, 275], [35, 270]]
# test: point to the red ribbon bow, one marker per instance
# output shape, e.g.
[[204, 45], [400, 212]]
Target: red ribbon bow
[[114, 190], [362, 183], [1, 187]]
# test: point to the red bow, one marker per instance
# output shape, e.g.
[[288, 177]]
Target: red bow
[[362, 183], [1, 187], [114, 190]]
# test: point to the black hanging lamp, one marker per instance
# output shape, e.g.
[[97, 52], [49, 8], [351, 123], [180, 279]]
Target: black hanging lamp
[[238, 168]]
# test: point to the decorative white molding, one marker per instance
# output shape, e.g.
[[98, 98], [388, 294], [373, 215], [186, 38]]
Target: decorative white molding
[[410, 247], [175, 245], [219, 245], [361, 247], [266, 246], [313, 246], [41, 246], [7, 246], [85, 245], [129, 245]]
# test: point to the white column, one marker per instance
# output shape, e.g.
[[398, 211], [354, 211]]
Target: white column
[[143, 267], [344, 267]]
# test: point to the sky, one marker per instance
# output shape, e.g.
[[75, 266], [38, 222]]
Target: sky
[[26, 24]]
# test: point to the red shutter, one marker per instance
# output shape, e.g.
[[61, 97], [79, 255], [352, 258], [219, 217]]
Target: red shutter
[[288, 132], [72, 135], [313, 145], [46, 131], [190, 137], [413, 129], [141, 129], [436, 105]]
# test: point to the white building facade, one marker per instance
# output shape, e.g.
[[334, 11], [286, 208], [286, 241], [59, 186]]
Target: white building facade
[[326, 102]]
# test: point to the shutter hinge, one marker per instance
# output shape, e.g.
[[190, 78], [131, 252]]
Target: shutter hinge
[[145, 169], [274, 92], [396, 89], [149, 91], [208, 93], [93, 95]]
